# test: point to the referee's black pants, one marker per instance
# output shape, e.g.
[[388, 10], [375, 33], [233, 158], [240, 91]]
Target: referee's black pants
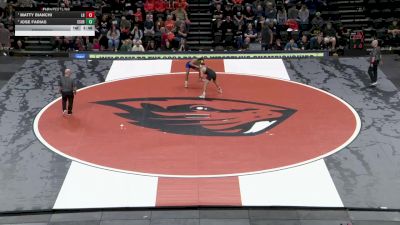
[[374, 72], [67, 96]]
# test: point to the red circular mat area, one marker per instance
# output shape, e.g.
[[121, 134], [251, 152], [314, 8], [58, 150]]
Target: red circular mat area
[[320, 124]]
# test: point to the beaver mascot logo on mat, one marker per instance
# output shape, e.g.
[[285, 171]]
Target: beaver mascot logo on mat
[[193, 116]]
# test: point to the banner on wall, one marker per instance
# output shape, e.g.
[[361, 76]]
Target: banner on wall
[[207, 55]]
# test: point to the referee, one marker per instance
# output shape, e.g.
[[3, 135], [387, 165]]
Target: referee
[[374, 60], [68, 90]]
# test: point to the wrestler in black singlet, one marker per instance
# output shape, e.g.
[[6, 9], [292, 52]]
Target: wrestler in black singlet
[[211, 75]]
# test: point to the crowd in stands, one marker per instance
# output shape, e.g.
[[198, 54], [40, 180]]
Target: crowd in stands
[[284, 25], [150, 25], [127, 26], [279, 25], [121, 25]]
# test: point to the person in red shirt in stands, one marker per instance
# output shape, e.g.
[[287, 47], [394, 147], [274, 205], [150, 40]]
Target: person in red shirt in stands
[[180, 4], [139, 14], [169, 23], [237, 2], [292, 25], [96, 45], [149, 6], [170, 36], [160, 6]]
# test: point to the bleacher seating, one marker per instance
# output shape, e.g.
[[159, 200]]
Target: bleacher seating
[[369, 17]]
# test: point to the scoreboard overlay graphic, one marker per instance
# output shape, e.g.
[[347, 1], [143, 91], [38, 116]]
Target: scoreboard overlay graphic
[[55, 23]]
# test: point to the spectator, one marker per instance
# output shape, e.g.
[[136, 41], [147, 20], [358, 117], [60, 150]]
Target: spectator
[[178, 23], [237, 2], [169, 42], [228, 11], [293, 13], [266, 36], [342, 36], [88, 44], [248, 15], [281, 17], [148, 26], [160, 6], [181, 4], [20, 45], [151, 47], [105, 25], [216, 2], [137, 22], [125, 28], [59, 44], [255, 3], [217, 31], [260, 24], [9, 12], [182, 45], [126, 45], [218, 12], [394, 29], [250, 34], [237, 8], [238, 19], [317, 42], [239, 37], [271, 1], [159, 24], [69, 43], [149, 6], [217, 27], [138, 47], [291, 45], [138, 14], [228, 28], [113, 37], [170, 23], [78, 44], [304, 14], [317, 21], [270, 13], [139, 4], [228, 25], [181, 34], [181, 38], [292, 25], [137, 34], [278, 45], [304, 44], [330, 35], [181, 14], [96, 45], [164, 38], [114, 20], [259, 11], [4, 38]]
